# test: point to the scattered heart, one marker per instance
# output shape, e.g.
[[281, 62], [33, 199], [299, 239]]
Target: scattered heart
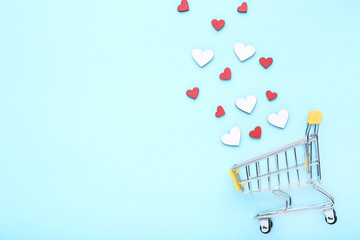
[[184, 6], [226, 75], [242, 8], [280, 119], [232, 139], [266, 62], [220, 111], [256, 133], [246, 105], [218, 24], [202, 57], [193, 93], [271, 95], [243, 52]]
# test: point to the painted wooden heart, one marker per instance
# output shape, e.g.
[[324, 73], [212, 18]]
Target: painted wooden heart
[[246, 105], [202, 57], [226, 75], [280, 119], [218, 24], [256, 133], [220, 111], [266, 62], [193, 93], [232, 138], [242, 8], [271, 95], [184, 6], [243, 52]]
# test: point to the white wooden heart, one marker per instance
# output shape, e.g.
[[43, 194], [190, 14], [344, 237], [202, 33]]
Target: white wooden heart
[[232, 139], [243, 52], [246, 105], [202, 57], [280, 119]]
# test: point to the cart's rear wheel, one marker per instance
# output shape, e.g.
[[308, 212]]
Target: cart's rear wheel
[[266, 225], [330, 217]]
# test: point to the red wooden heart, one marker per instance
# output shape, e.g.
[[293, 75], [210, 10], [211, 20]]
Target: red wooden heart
[[266, 62], [193, 93], [218, 24], [226, 75], [220, 111], [256, 133], [183, 7], [271, 95], [243, 8]]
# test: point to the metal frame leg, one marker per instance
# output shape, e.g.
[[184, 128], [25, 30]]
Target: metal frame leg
[[284, 196], [327, 207]]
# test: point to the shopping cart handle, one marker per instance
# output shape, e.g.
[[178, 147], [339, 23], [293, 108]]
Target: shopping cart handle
[[314, 117], [236, 180]]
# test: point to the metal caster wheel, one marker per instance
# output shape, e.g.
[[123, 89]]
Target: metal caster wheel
[[330, 216], [265, 225]]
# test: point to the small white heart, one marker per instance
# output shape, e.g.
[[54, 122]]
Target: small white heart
[[202, 57], [246, 105], [232, 139], [280, 119], [243, 52]]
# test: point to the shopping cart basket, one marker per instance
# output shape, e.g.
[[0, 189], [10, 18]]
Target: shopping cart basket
[[294, 165]]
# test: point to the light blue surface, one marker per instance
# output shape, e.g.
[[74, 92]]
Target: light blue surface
[[99, 141]]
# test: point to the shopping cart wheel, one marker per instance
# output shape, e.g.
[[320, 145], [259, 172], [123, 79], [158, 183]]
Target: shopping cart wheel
[[265, 225], [330, 216]]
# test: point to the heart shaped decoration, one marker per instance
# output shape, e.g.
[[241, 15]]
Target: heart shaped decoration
[[256, 133], [242, 8], [271, 95], [226, 75], [266, 62], [243, 52], [202, 57], [218, 24], [280, 119], [232, 139], [193, 93], [220, 111], [184, 6], [246, 105]]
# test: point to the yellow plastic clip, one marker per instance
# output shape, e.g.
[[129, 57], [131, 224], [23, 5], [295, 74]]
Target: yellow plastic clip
[[314, 117], [235, 179]]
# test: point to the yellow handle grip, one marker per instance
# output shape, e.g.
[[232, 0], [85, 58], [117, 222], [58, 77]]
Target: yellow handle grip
[[236, 180], [314, 117]]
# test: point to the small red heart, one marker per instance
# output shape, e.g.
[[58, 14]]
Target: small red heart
[[243, 8], [183, 7], [271, 95], [218, 24], [266, 62], [256, 133], [226, 75], [193, 93], [220, 111]]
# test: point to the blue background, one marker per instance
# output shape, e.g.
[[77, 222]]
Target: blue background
[[99, 141]]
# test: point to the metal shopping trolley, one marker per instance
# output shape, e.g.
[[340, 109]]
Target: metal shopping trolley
[[291, 166]]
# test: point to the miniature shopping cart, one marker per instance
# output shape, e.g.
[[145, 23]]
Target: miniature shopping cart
[[294, 165]]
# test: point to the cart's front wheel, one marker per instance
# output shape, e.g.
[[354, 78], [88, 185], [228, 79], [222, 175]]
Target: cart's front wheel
[[265, 225], [330, 216]]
